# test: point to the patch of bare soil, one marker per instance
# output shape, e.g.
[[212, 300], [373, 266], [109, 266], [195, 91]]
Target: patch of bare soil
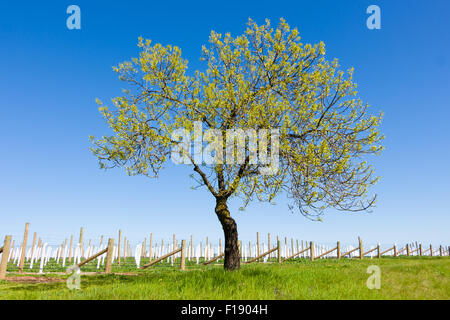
[[29, 279], [126, 273]]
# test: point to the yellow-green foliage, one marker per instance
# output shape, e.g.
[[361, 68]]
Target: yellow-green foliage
[[265, 78]]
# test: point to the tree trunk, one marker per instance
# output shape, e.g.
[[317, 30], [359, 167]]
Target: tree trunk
[[232, 254]]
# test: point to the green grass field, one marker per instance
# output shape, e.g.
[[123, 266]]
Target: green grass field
[[401, 278]]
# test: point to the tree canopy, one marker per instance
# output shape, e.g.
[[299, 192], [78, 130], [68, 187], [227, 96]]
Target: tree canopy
[[265, 78]]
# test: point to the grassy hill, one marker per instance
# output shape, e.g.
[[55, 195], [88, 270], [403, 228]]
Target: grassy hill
[[401, 278]]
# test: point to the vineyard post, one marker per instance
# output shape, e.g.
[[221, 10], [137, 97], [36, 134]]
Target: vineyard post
[[268, 244], [174, 242], [285, 247], [431, 250], [109, 255], [361, 248], [151, 244], [70, 249], [5, 256], [124, 248], [118, 247], [34, 245], [278, 251], [420, 249], [395, 250], [81, 241], [338, 250], [39, 243], [12, 246], [144, 248], [378, 251], [24, 248], [292, 246], [191, 253], [183, 255], [240, 248], [311, 248], [206, 249], [257, 244]]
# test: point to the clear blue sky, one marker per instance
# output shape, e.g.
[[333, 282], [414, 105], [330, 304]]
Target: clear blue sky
[[50, 77]]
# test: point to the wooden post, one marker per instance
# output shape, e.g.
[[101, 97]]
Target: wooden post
[[33, 248], [5, 256], [420, 249], [24, 248], [395, 250], [124, 248], [431, 250], [268, 244], [92, 257], [183, 254], [192, 248], [220, 245], [206, 249], [440, 250], [161, 258], [151, 244], [338, 250], [118, 247], [260, 256], [302, 248], [285, 247], [144, 248], [407, 249], [214, 259], [80, 241], [174, 242], [70, 248], [298, 254], [240, 249], [279, 251], [378, 251], [292, 246], [361, 248], [250, 249], [311, 248], [64, 257], [109, 255], [257, 244]]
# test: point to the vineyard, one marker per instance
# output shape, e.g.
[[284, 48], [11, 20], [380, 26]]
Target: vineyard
[[17, 256]]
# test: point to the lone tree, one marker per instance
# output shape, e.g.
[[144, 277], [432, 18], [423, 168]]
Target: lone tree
[[263, 79]]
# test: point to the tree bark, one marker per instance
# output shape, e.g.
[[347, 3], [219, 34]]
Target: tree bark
[[232, 254]]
